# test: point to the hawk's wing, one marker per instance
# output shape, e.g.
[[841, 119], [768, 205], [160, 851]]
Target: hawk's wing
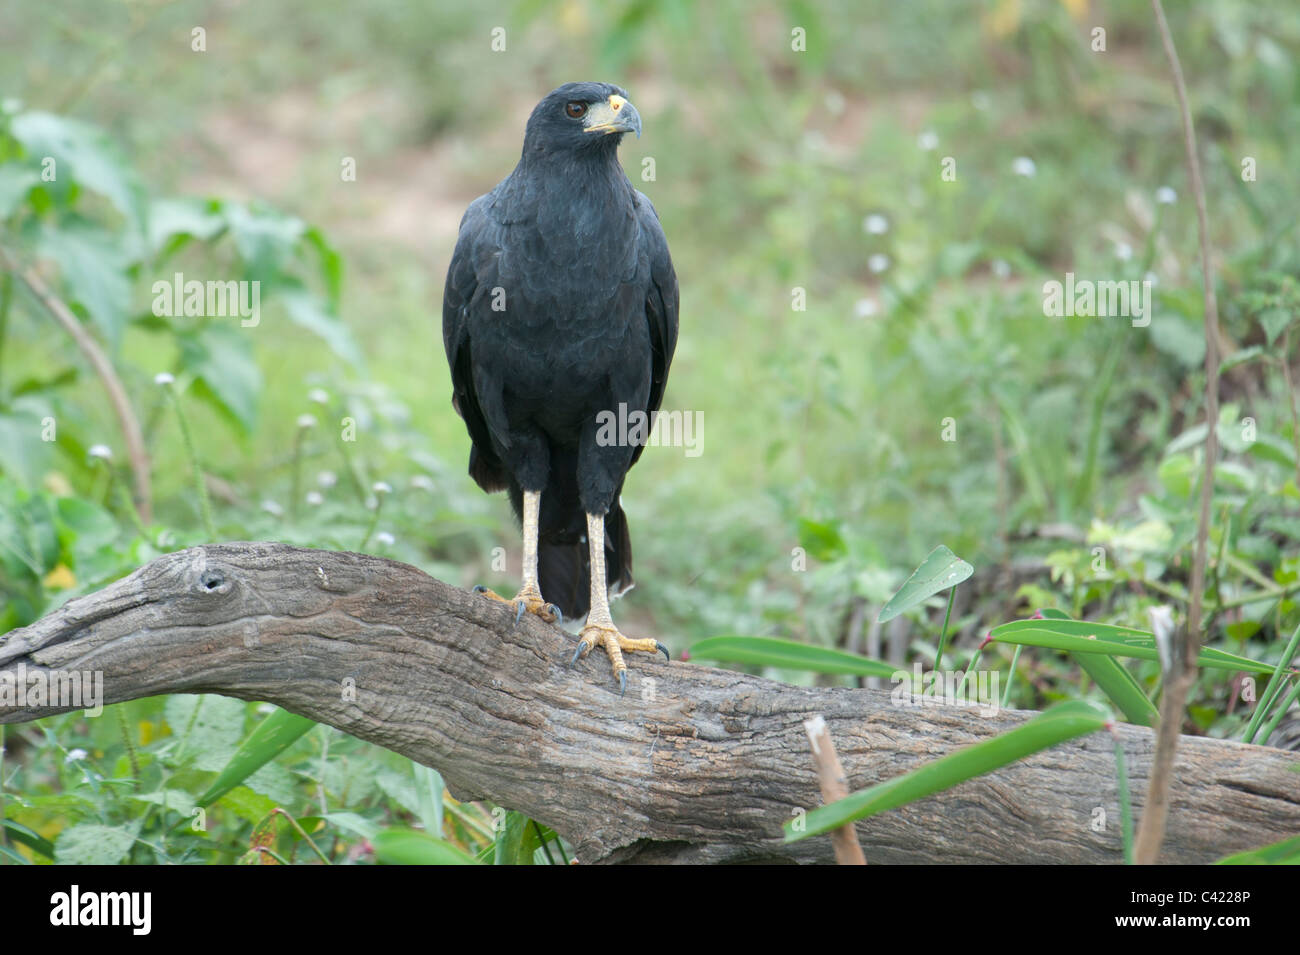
[[660, 304], [464, 287]]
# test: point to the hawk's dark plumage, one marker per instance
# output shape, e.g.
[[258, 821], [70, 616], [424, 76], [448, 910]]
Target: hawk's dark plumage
[[560, 303]]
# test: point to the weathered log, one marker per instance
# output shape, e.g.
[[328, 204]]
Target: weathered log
[[693, 765]]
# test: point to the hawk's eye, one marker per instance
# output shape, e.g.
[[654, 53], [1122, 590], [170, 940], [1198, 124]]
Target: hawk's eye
[[575, 110]]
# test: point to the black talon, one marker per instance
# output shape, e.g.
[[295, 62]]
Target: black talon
[[559, 617], [622, 682], [662, 649], [519, 613], [577, 653], [480, 589]]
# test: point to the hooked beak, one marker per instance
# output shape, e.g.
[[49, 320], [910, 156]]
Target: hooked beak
[[616, 115]]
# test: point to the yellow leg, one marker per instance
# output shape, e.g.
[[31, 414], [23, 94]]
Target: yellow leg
[[529, 597], [600, 625]]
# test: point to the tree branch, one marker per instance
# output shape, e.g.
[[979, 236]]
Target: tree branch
[[692, 765]]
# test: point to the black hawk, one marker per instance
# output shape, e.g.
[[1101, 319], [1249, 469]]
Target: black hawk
[[560, 311]]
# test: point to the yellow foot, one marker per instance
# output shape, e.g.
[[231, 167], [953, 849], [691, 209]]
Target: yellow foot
[[529, 599], [614, 643]]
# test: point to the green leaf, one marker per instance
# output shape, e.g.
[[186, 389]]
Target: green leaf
[[1057, 725], [226, 374], [16, 180], [194, 218], [1240, 357], [1274, 321], [93, 268], [266, 239], [1084, 636], [411, 847], [821, 539], [1286, 852], [308, 311], [28, 837], [789, 654], [92, 844], [207, 728], [353, 823], [269, 739], [939, 571], [1114, 679], [1120, 686], [1179, 338], [510, 848], [82, 154], [247, 805]]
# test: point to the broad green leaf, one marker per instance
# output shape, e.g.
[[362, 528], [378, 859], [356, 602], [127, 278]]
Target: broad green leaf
[[93, 844], [351, 822], [511, 841], [271, 737], [1286, 852], [207, 728], [1274, 321], [769, 651], [169, 218], [1057, 725], [226, 374], [939, 571], [821, 539], [16, 180], [266, 239], [83, 154], [411, 847], [93, 267], [1084, 636], [308, 311]]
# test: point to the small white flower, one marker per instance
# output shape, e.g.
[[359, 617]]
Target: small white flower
[[865, 307], [315, 498], [1000, 268], [318, 396], [814, 141], [875, 224], [385, 539], [422, 482], [1152, 278], [1123, 251], [327, 479], [381, 488], [272, 508], [74, 755], [1024, 166], [835, 102], [980, 100], [1166, 196], [100, 451], [878, 262], [163, 379], [928, 141], [306, 421]]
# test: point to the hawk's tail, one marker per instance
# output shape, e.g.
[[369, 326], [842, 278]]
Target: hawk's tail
[[564, 564]]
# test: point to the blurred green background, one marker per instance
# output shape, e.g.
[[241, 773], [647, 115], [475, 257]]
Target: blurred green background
[[920, 397]]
